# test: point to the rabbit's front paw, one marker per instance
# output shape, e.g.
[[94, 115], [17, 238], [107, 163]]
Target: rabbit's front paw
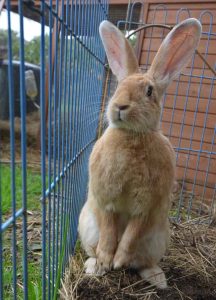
[[91, 266], [104, 261], [122, 259]]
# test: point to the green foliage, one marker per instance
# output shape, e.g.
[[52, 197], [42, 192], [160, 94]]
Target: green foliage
[[15, 42], [34, 276], [33, 189], [133, 40], [32, 48], [33, 203]]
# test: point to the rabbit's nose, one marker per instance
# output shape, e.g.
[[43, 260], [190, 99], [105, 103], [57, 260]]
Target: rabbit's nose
[[123, 107]]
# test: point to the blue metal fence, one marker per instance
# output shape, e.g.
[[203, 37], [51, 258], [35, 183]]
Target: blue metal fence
[[71, 88]]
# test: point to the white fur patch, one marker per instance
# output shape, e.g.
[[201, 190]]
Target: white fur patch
[[110, 207], [91, 266], [155, 276], [88, 230]]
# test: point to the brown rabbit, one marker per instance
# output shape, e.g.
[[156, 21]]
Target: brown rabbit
[[132, 166]]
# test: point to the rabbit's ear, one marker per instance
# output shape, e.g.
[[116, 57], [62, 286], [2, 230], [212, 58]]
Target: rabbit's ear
[[120, 54], [176, 51]]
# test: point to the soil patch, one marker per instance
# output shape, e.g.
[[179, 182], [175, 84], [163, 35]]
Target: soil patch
[[189, 264]]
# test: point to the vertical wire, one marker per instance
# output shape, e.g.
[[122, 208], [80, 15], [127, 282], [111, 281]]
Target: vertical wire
[[78, 130], [92, 67], [86, 85], [86, 95], [68, 127], [98, 70], [99, 86], [73, 132], [64, 138], [207, 173], [85, 101], [1, 239], [77, 112], [67, 101], [12, 149], [213, 204], [85, 108], [85, 104], [43, 150], [81, 111], [58, 237], [70, 116], [50, 68], [23, 152], [60, 132], [55, 95]]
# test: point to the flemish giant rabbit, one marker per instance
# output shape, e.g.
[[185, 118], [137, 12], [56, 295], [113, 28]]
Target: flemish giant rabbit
[[132, 166]]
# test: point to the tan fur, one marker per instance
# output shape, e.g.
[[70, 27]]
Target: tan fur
[[131, 176]]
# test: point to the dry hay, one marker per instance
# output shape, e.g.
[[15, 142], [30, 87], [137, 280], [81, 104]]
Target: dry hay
[[189, 264], [191, 203]]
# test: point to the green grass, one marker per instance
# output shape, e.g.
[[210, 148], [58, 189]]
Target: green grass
[[33, 204], [34, 279], [33, 189]]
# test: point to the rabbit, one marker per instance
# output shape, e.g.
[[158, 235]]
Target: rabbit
[[124, 222]]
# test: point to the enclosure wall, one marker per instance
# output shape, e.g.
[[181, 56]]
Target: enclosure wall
[[44, 152]]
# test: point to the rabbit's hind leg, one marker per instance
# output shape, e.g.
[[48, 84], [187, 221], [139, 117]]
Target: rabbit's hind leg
[[150, 251], [155, 276], [88, 230], [89, 236]]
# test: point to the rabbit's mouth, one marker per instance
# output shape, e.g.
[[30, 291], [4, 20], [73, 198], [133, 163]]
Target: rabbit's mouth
[[121, 116], [118, 117], [120, 113]]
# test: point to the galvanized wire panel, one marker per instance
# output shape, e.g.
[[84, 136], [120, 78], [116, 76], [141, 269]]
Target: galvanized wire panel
[[74, 108], [70, 85]]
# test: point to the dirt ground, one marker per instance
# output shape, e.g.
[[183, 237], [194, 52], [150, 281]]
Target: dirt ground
[[189, 264], [32, 141], [180, 287]]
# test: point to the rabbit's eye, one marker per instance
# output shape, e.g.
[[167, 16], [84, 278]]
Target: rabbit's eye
[[149, 91]]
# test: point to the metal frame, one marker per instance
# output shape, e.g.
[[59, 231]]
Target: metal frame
[[71, 83]]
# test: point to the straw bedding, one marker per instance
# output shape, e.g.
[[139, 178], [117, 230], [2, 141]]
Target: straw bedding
[[189, 264]]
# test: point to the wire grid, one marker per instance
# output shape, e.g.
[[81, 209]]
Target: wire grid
[[196, 156], [69, 119]]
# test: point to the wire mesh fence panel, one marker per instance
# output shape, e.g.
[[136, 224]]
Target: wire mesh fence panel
[[47, 132]]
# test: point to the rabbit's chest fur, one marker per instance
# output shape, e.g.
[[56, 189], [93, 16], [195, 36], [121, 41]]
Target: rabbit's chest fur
[[130, 172]]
